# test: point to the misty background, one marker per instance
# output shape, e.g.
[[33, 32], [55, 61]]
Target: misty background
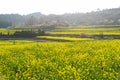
[[99, 17], [24, 13]]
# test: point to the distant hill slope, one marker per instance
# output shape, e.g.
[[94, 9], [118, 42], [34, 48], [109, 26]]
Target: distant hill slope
[[100, 17]]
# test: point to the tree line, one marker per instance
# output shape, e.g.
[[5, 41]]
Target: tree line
[[23, 34], [99, 17]]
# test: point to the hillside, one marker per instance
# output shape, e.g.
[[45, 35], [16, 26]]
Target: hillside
[[99, 17]]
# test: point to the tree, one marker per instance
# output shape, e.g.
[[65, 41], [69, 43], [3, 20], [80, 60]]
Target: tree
[[4, 24]]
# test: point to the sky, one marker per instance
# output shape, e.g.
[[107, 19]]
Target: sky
[[24, 7]]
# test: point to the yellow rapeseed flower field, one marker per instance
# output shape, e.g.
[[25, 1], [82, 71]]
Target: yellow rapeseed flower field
[[63, 38], [85, 60]]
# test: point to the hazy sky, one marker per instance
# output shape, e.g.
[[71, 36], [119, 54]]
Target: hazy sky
[[54, 6]]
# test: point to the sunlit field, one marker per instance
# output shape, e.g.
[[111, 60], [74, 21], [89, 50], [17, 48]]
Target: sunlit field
[[85, 60], [86, 30], [11, 42], [60, 40], [63, 38], [61, 57], [6, 31]]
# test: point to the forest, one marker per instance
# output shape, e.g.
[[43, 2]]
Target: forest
[[99, 17]]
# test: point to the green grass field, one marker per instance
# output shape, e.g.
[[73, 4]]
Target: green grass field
[[86, 60]]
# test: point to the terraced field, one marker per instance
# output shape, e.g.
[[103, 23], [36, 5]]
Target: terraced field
[[74, 58], [87, 30], [72, 39]]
